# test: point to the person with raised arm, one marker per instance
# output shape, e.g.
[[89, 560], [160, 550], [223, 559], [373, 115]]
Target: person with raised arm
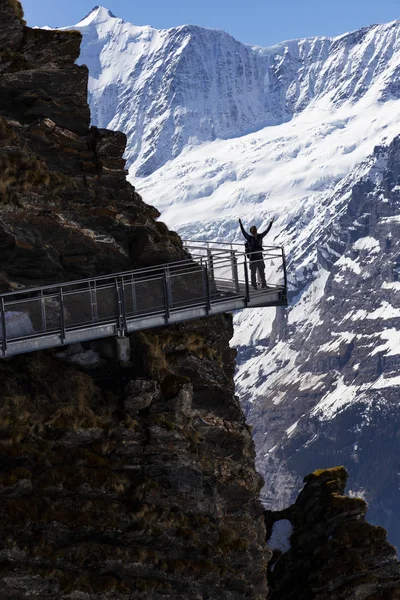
[[254, 251]]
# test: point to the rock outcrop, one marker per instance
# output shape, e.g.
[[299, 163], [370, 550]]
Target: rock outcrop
[[66, 209], [332, 553], [134, 482]]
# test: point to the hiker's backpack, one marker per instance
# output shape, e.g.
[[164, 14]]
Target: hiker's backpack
[[254, 245]]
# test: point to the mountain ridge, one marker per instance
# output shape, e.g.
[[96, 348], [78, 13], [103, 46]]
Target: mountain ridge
[[162, 122]]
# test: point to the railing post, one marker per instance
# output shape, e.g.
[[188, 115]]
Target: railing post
[[62, 316], [284, 274], [210, 263], [134, 298], [206, 289], [246, 277], [119, 284], [3, 326], [167, 293], [43, 311], [93, 301], [122, 291], [235, 274]]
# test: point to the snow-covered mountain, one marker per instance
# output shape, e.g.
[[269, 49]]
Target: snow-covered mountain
[[330, 370], [175, 88], [218, 130]]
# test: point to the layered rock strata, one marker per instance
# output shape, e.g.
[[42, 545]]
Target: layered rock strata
[[135, 482], [332, 553]]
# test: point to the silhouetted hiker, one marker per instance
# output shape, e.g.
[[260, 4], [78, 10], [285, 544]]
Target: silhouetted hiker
[[254, 252]]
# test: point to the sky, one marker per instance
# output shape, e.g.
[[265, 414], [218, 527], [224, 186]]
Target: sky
[[255, 22]]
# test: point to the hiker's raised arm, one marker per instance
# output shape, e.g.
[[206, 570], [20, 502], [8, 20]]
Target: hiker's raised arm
[[246, 235], [264, 233]]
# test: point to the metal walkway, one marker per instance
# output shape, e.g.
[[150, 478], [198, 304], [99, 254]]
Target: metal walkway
[[214, 279]]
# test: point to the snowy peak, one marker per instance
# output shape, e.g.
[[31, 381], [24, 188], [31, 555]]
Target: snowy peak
[[96, 16], [174, 88]]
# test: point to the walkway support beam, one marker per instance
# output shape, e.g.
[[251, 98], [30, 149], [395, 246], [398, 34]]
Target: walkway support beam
[[121, 307], [210, 263], [206, 288], [246, 276]]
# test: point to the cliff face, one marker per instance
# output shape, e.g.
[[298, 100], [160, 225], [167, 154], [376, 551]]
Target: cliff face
[[135, 482], [117, 484], [66, 209], [332, 553]]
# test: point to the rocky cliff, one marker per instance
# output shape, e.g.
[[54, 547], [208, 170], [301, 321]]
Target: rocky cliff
[[134, 482], [66, 208], [324, 548]]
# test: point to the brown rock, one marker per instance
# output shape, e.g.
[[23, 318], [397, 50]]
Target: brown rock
[[139, 394], [334, 553]]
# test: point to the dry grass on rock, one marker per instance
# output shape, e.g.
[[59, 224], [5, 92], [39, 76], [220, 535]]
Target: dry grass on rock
[[49, 393], [17, 8]]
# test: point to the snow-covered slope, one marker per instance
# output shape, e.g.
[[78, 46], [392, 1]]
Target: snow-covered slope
[[218, 130], [324, 388]]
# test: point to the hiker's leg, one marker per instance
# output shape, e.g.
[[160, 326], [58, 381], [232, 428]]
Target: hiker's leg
[[253, 271], [261, 270]]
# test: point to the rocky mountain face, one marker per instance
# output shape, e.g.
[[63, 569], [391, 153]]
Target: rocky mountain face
[[133, 481], [324, 544], [168, 88], [303, 130]]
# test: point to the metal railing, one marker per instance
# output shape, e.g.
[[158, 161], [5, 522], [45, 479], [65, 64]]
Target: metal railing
[[212, 279], [273, 256]]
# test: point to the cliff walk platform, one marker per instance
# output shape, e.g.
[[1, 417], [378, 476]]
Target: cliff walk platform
[[215, 278]]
